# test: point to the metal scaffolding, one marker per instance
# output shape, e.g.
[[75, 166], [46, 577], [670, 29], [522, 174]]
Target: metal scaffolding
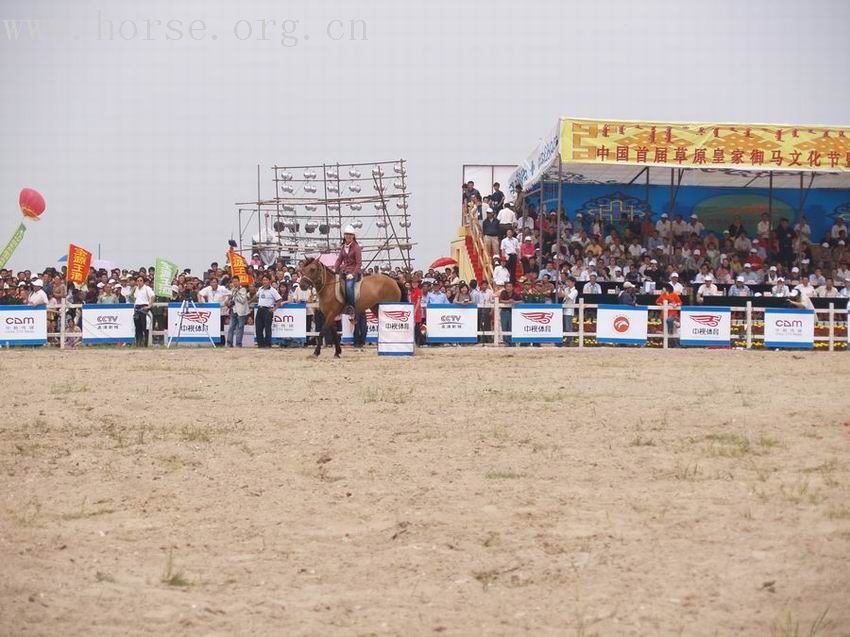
[[313, 204]]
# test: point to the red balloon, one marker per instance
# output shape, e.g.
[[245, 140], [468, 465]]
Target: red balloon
[[32, 203]]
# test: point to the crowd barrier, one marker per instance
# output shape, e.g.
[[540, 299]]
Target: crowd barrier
[[578, 325]]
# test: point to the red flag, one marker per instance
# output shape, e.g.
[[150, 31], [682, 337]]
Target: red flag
[[79, 264], [239, 267]]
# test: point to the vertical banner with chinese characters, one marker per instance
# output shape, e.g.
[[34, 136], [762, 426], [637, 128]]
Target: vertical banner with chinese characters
[[239, 267], [706, 145], [164, 274], [79, 264], [13, 244], [706, 326]]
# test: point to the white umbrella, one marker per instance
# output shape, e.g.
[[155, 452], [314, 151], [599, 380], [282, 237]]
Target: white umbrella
[[104, 264]]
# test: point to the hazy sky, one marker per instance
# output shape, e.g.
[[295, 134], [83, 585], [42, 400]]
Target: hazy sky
[[144, 144]]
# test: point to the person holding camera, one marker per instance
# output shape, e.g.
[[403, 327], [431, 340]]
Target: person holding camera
[[237, 302]]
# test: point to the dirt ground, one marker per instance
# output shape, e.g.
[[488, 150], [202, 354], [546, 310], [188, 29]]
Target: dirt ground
[[466, 491]]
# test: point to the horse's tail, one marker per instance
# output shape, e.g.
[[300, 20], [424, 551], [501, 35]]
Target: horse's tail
[[403, 291]]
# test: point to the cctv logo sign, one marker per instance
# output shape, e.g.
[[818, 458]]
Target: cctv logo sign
[[706, 326], [621, 324], [23, 325], [449, 323], [786, 328], [537, 323], [110, 323]]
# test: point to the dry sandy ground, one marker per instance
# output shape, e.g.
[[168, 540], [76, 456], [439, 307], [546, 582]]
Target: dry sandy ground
[[463, 492]]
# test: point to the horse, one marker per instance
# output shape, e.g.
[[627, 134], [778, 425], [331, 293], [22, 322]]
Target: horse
[[374, 289]]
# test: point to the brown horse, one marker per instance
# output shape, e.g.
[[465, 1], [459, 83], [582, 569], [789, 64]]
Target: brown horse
[[374, 289]]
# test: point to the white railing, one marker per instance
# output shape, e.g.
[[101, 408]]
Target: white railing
[[745, 325]]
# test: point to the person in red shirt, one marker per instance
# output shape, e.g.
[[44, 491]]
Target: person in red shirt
[[508, 297], [415, 297], [674, 302]]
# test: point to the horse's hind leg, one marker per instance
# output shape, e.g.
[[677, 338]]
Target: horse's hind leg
[[337, 347], [319, 340]]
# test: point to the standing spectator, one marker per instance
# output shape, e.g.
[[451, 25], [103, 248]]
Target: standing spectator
[[491, 233], [72, 334], [108, 295], [679, 228], [497, 198], [507, 220], [462, 297], [763, 227], [482, 296], [217, 294], [678, 288], [803, 229], [569, 297], [415, 297], [663, 228], [510, 248], [239, 311], [508, 298], [838, 230], [785, 241], [527, 252], [695, 227], [143, 298], [268, 300]]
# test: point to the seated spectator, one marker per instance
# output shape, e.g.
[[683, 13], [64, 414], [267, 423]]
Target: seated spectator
[[740, 289], [707, 289], [780, 289], [750, 276], [678, 288], [674, 302], [827, 290], [501, 275], [805, 287], [592, 287], [628, 296]]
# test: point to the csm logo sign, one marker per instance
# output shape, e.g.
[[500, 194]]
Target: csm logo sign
[[23, 325], [786, 328], [448, 323]]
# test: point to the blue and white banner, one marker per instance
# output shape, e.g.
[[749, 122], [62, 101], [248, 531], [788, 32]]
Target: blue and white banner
[[108, 323], [348, 328], [705, 326], [621, 324], [396, 329], [537, 323], [200, 322], [290, 322], [449, 323], [789, 328], [539, 160], [23, 325]]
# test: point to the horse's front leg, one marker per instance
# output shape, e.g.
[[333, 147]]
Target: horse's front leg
[[337, 340], [319, 340]]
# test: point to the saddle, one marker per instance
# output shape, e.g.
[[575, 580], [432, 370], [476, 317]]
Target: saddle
[[339, 288]]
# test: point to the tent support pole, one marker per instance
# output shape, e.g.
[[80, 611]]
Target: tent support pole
[[558, 209]]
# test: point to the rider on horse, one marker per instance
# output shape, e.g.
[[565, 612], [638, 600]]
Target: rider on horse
[[349, 263]]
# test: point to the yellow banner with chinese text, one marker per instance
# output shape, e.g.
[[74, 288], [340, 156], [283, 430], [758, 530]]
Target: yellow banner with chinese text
[[706, 145]]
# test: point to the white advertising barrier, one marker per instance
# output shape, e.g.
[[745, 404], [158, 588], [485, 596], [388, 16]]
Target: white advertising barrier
[[449, 323], [23, 325], [705, 326], [290, 321], [621, 324], [396, 329], [789, 328], [348, 328], [200, 322], [108, 323], [537, 323]]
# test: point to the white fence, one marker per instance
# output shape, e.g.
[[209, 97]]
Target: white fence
[[747, 326]]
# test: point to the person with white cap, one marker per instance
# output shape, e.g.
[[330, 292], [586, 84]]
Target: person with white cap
[[740, 289], [772, 276], [707, 289], [628, 296], [695, 226], [750, 277], [795, 275], [349, 264], [500, 273], [38, 296], [780, 289], [678, 288], [663, 227]]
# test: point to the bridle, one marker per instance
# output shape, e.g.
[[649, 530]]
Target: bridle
[[322, 283]]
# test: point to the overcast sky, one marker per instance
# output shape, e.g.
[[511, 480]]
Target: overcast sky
[[144, 144]]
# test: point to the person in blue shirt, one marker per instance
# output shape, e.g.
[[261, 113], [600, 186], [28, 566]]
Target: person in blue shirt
[[436, 295]]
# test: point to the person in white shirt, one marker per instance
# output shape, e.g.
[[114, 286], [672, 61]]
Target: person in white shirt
[[592, 287], [750, 277], [678, 288], [839, 225], [569, 295], [215, 293], [827, 290], [805, 287], [617, 275], [707, 289], [500, 273], [663, 227], [38, 295], [268, 300], [817, 279], [780, 289], [695, 227], [507, 219], [510, 248], [798, 299], [143, 299], [803, 228], [772, 276], [739, 289], [679, 228], [763, 226]]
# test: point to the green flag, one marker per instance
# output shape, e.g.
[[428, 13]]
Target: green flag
[[14, 242], [164, 274]]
